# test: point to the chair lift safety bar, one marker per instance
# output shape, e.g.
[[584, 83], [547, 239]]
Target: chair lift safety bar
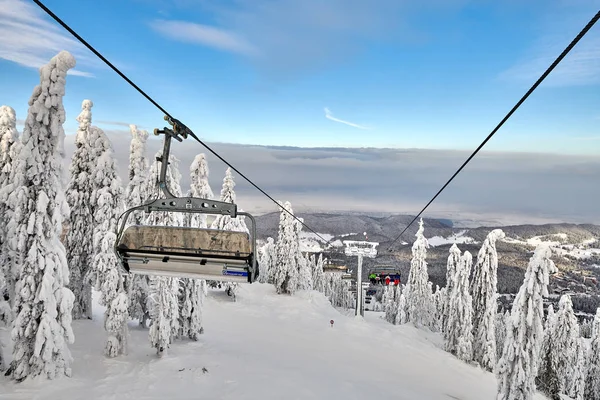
[[181, 251]]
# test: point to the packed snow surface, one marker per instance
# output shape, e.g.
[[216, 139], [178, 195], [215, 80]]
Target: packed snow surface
[[457, 238], [266, 346]]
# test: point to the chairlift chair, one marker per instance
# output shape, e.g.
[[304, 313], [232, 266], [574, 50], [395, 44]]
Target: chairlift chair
[[176, 251]]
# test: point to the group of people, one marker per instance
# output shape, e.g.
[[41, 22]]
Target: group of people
[[384, 279]]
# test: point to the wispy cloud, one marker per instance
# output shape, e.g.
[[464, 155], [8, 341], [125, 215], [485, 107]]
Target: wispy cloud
[[30, 40], [203, 34], [288, 36], [330, 116]]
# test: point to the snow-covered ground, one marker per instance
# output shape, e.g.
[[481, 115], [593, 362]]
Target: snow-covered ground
[[267, 346], [455, 238]]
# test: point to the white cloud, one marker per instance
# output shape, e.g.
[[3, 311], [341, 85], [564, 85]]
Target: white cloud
[[203, 34], [519, 186], [30, 40], [330, 116], [284, 36]]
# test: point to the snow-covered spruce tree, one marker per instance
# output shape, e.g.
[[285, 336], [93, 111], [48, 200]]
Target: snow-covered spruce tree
[[485, 293], [459, 333], [564, 342], [451, 265], [577, 384], [390, 305], [501, 331], [9, 149], [401, 315], [79, 240], [108, 205], [286, 266], [518, 366], [318, 276], [418, 295], [305, 281], [199, 188], [547, 380], [225, 222], [592, 379], [439, 301], [137, 193], [191, 292], [36, 208], [163, 299], [267, 261]]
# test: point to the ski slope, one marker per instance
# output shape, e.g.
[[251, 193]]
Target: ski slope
[[266, 346]]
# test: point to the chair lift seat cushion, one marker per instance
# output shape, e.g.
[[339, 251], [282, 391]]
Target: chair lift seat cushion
[[188, 241]]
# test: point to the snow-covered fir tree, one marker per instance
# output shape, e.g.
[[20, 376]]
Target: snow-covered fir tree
[[36, 208], [191, 290], [564, 343], [225, 222], [79, 240], [389, 302], [137, 190], [439, 302], [547, 380], [137, 193], [9, 149], [518, 366], [451, 265], [418, 295], [459, 333], [267, 261], [190, 308], [285, 276], [501, 331], [485, 293], [108, 205], [318, 277], [592, 378], [401, 315], [577, 381], [164, 292], [305, 281], [199, 188]]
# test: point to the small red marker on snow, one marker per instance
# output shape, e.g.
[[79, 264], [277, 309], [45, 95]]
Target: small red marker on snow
[[331, 322]]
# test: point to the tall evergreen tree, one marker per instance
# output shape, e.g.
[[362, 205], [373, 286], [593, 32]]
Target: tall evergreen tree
[[592, 379], [108, 205], [418, 295], [458, 335], [547, 380], [485, 294], [36, 209], [564, 342], [451, 265], [318, 277], [9, 149], [286, 267], [137, 193], [200, 188], [225, 222], [267, 259], [79, 242], [518, 366], [164, 291]]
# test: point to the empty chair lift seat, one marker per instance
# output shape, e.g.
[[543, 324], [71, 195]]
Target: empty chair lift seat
[[187, 252]]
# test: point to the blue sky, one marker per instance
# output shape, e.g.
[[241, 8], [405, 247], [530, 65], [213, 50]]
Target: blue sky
[[402, 74]]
